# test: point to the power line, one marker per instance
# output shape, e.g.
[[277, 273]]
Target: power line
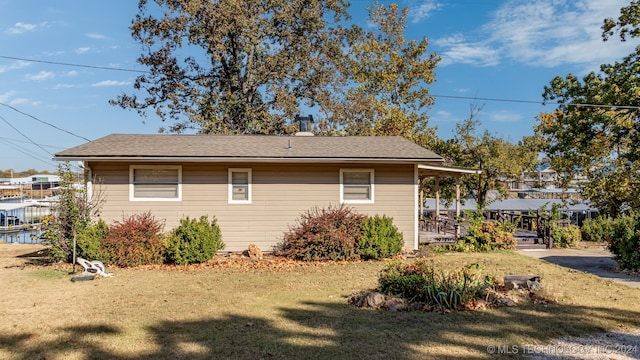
[[44, 122], [629, 107], [25, 151], [25, 136], [71, 64], [23, 141]]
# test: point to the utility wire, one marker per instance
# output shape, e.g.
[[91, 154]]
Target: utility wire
[[630, 107], [71, 64], [25, 136], [44, 122], [25, 151], [22, 141]]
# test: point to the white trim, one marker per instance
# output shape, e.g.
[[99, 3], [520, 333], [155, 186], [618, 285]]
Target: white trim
[[449, 169], [230, 171], [371, 186], [132, 185]]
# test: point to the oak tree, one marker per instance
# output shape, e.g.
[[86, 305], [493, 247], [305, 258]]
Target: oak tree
[[388, 76], [228, 66]]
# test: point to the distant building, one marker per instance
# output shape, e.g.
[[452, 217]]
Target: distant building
[[37, 182]]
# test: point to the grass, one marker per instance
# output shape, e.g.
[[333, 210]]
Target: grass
[[300, 313]]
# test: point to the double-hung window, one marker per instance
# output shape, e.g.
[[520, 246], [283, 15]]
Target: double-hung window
[[356, 186], [239, 186], [155, 183]]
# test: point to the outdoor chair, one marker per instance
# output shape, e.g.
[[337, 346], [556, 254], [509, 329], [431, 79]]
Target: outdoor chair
[[93, 268]]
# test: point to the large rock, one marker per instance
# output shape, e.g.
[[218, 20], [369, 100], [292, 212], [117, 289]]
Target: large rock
[[255, 252], [529, 282], [370, 299]]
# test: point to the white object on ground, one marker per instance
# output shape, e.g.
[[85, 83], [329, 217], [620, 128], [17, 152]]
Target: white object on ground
[[93, 267]]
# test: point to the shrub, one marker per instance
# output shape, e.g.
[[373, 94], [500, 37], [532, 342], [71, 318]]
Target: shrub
[[380, 238], [421, 282], [89, 242], [485, 235], [193, 241], [624, 242], [137, 240], [598, 229], [566, 236], [323, 234]]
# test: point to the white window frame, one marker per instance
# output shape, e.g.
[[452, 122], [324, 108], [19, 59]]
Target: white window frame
[[249, 185], [132, 185], [371, 185]]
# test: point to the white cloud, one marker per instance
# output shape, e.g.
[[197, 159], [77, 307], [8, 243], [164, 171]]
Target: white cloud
[[41, 76], [110, 83], [82, 50], [63, 86], [95, 36], [544, 33], [18, 101], [420, 12], [504, 116], [21, 28], [14, 65], [6, 96], [458, 50], [72, 73]]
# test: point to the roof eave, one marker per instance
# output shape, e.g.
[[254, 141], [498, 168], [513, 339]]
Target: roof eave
[[246, 159]]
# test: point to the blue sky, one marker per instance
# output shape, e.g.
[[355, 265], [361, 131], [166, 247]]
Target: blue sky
[[505, 50]]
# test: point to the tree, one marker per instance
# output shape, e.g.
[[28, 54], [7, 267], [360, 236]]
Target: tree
[[626, 25], [498, 158], [226, 66], [387, 93], [595, 129]]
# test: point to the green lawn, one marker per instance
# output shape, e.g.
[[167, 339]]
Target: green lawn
[[296, 313]]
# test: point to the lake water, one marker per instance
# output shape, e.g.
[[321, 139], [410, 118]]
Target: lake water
[[28, 236]]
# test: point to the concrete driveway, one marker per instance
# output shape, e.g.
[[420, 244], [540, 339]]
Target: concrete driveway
[[594, 260]]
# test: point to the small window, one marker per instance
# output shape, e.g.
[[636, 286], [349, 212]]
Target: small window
[[155, 183], [239, 186], [356, 186]]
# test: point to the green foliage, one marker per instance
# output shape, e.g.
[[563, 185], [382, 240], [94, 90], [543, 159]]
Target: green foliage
[[72, 213], [598, 229], [193, 241], [624, 242], [421, 282], [89, 242], [566, 236], [483, 235], [380, 238], [137, 240], [599, 142], [236, 66], [496, 156], [323, 234]]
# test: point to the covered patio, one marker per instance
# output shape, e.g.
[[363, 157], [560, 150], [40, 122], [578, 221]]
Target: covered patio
[[439, 225]]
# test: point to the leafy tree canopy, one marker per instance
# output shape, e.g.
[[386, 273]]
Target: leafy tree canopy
[[595, 129], [226, 66], [498, 158]]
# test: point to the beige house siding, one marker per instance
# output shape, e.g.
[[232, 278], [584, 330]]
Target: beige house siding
[[280, 193]]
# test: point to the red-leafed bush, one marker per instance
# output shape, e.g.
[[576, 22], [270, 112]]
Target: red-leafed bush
[[137, 240], [323, 234]]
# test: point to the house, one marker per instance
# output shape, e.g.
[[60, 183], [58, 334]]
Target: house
[[256, 186]]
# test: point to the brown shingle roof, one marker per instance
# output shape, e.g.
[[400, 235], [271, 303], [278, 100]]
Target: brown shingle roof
[[227, 147]]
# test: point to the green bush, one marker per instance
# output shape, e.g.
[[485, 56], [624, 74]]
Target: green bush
[[566, 236], [598, 229], [323, 234], [89, 242], [624, 242], [193, 241], [421, 282], [380, 238], [483, 235], [137, 240]]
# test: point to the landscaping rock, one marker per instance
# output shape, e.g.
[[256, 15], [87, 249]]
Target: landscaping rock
[[255, 252], [370, 299], [529, 282], [395, 304]]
